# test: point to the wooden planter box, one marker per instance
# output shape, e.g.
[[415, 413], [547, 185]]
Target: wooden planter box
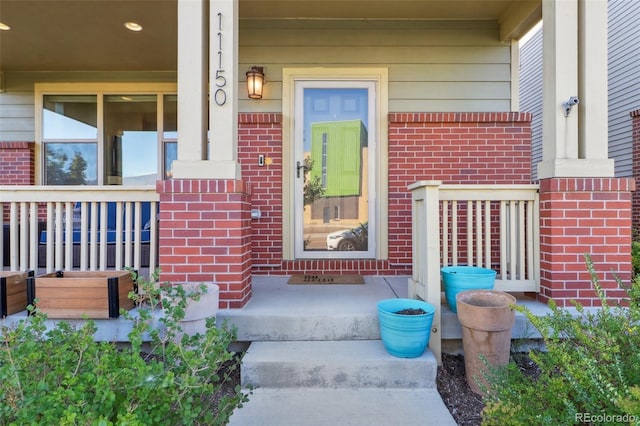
[[74, 294], [13, 292]]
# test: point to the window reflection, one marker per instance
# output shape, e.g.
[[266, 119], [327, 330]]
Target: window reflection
[[170, 132], [170, 154], [70, 117], [131, 139], [336, 158], [71, 164]]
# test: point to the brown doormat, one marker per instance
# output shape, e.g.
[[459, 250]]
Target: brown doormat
[[325, 279]]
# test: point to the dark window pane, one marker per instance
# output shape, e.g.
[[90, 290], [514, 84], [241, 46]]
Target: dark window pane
[[170, 116]]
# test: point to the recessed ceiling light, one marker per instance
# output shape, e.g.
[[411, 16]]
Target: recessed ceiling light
[[4, 27], [133, 26]]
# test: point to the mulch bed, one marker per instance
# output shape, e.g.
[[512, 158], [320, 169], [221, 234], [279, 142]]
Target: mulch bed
[[465, 405]]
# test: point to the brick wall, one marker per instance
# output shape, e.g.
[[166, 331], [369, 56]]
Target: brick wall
[[261, 134], [18, 165], [578, 216], [454, 148], [635, 140], [205, 235]]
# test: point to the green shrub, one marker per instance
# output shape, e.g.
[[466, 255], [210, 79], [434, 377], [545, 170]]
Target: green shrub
[[63, 377], [635, 257], [591, 368]]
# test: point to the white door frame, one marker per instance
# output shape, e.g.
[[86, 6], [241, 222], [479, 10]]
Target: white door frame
[[378, 158]]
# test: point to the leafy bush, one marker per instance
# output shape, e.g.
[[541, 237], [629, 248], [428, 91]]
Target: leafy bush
[[635, 257], [589, 373], [62, 376]]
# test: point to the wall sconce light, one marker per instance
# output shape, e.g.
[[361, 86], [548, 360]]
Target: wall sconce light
[[255, 82]]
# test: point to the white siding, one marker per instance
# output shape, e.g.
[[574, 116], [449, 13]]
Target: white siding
[[530, 94], [433, 65], [624, 82], [17, 103]]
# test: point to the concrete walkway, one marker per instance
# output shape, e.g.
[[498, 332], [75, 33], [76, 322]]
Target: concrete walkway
[[343, 407]]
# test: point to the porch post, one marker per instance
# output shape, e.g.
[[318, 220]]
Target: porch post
[[192, 83], [205, 215], [575, 65], [207, 31], [583, 208]]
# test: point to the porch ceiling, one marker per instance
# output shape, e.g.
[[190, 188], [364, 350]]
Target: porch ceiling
[[89, 35]]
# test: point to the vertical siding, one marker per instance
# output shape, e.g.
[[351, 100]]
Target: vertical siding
[[531, 93], [624, 82]]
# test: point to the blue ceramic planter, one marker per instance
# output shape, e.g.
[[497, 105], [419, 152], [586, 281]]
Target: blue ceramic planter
[[461, 278], [405, 336]]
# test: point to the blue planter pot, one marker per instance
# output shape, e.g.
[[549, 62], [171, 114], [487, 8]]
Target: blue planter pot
[[461, 278], [405, 336]]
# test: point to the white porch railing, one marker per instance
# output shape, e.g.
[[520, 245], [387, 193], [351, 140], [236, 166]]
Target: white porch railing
[[492, 226], [104, 225]]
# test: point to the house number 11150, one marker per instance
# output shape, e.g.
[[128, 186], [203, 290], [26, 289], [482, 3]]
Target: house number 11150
[[220, 96]]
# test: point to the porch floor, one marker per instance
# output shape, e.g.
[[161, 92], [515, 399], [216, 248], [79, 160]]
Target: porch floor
[[318, 312]]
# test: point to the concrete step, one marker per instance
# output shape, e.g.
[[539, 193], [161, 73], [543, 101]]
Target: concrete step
[[334, 364], [344, 407], [292, 325]]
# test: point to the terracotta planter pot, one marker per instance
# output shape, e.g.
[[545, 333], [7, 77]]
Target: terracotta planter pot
[[487, 319]]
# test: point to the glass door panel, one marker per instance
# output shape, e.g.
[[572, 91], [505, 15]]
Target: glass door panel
[[333, 173]]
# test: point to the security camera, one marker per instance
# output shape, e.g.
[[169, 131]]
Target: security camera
[[567, 105]]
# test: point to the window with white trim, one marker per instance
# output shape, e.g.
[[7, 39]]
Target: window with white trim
[[106, 137]]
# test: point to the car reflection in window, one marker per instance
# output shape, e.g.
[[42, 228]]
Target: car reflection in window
[[355, 239]]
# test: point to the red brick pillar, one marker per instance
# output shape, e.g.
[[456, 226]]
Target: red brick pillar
[[205, 235], [18, 166], [635, 138], [578, 216], [18, 163]]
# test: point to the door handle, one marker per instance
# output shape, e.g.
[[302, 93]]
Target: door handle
[[300, 166]]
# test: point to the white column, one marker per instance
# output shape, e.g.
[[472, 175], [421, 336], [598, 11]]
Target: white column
[[216, 40], [567, 34], [592, 70], [223, 102], [192, 80]]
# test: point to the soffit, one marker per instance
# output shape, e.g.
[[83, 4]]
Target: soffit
[[89, 35]]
